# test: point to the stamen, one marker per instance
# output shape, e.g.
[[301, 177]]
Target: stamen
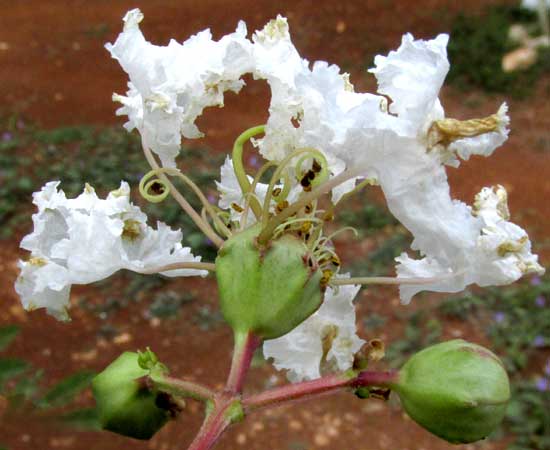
[[145, 186], [236, 207], [270, 226], [279, 172], [238, 166], [252, 193], [205, 227]]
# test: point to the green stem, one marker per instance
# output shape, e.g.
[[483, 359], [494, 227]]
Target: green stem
[[196, 265], [245, 346], [390, 280], [181, 388]]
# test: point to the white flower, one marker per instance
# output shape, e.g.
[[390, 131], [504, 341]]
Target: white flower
[[170, 86], [454, 241], [325, 340], [405, 147], [501, 255], [86, 239], [412, 77]]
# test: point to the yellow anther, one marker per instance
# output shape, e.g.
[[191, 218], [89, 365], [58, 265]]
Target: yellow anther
[[305, 227], [281, 205], [131, 230], [237, 207]]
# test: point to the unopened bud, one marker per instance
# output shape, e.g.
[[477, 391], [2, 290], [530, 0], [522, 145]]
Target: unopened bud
[[456, 390], [126, 404]]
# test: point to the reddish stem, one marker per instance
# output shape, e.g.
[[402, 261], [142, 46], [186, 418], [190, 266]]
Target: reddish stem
[[307, 389], [245, 346], [211, 430]]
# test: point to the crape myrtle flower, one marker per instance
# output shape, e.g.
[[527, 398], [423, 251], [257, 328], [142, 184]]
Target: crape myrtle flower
[[399, 138], [170, 86], [87, 239]]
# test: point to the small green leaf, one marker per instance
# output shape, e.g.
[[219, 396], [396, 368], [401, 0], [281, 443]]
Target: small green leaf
[[10, 368], [8, 334], [27, 387], [65, 391], [82, 419]]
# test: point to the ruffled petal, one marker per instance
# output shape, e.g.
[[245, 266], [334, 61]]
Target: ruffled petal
[[327, 340], [86, 239]]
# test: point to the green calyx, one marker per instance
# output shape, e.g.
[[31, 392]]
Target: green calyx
[[267, 291], [235, 412], [125, 403], [457, 390]]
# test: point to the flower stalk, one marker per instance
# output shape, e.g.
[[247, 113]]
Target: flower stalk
[[181, 388], [315, 388], [245, 346]]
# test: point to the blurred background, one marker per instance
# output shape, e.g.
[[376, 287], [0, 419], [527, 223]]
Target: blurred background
[[57, 122]]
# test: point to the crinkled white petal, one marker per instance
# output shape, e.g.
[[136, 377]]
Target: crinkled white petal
[[171, 85], [44, 284], [86, 239], [412, 77], [301, 351], [502, 254], [320, 111]]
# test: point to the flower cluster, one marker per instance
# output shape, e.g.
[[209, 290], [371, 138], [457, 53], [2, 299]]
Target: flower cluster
[[321, 137], [87, 239]]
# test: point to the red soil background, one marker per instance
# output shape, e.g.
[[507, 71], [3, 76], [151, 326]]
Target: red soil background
[[54, 71]]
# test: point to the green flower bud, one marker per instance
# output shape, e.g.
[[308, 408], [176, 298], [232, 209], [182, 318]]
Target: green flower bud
[[457, 390], [125, 404], [267, 291]]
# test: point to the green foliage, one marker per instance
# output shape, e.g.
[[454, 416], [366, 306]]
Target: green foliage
[[421, 331], [368, 218], [529, 417], [11, 368], [167, 304], [82, 419], [206, 318], [374, 321], [66, 390], [7, 335], [22, 387], [516, 324], [477, 46]]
